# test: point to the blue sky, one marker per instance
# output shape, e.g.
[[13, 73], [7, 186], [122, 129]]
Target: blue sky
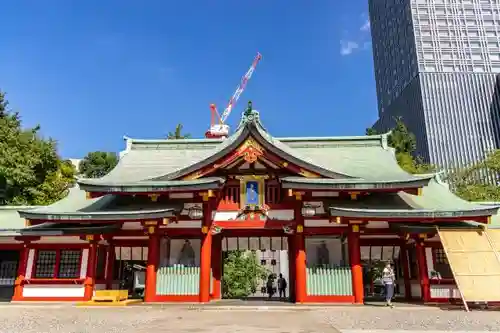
[[92, 71]]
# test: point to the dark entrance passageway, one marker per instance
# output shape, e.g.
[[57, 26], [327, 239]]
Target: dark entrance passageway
[[251, 267]]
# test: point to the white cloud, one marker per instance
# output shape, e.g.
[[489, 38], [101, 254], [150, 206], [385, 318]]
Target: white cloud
[[347, 47], [365, 26]]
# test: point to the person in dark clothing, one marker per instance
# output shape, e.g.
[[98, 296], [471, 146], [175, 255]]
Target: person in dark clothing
[[270, 286], [282, 286]]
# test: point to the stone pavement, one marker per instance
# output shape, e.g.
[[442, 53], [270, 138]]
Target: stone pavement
[[196, 319]]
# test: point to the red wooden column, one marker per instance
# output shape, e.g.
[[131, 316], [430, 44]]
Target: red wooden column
[[21, 273], [422, 270], [91, 268], [355, 260], [110, 261], [406, 270], [217, 266], [206, 253], [300, 256], [153, 259]]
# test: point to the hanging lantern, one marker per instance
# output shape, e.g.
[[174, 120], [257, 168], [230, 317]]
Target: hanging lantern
[[195, 213], [308, 210]]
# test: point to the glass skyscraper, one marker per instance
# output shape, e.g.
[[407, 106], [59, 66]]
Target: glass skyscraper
[[436, 66]]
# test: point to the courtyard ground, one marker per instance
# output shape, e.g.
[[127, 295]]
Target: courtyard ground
[[50, 318]]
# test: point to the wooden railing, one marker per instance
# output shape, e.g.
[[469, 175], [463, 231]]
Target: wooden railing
[[329, 281], [179, 280]]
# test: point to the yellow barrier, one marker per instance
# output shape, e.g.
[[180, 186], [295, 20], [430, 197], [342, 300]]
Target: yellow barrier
[[110, 296]]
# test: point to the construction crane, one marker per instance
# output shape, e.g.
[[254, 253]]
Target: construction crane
[[221, 129]]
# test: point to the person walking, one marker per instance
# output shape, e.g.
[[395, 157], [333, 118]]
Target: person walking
[[282, 286], [388, 279], [270, 286]]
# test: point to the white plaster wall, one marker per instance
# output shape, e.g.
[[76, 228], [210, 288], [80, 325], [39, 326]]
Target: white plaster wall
[[429, 261], [9, 240], [284, 265], [377, 224], [180, 195], [60, 240], [325, 194], [321, 223], [29, 267], [132, 226], [40, 290], [185, 224], [85, 262], [280, 214]]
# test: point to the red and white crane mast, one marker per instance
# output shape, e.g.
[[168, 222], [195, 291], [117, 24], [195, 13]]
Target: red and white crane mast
[[222, 129]]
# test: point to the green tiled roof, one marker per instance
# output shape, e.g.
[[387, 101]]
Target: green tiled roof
[[76, 207], [355, 184], [10, 221], [68, 229], [436, 201], [149, 186], [431, 227], [360, 157]]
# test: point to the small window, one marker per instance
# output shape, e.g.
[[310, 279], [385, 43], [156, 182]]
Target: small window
[[63, 264], [69, 264], [45, 264], [442, 268]]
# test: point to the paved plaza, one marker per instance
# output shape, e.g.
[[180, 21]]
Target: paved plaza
[[180, 319]]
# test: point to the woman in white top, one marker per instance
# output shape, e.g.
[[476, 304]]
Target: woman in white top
[[388, 278]]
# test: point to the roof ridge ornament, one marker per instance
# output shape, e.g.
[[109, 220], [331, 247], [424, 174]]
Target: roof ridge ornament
[[249, 115]]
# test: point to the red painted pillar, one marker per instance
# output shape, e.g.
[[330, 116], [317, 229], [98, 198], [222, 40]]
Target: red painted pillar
[[91, 271], [206, 254], [300, 266], [406, 270], [355, 260], [217, 266], [110, 261], [422, 271], [21, 273], [153, 259]]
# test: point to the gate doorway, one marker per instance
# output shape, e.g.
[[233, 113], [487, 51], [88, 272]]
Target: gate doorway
[[129, 269], [263, 259], [9, 262]]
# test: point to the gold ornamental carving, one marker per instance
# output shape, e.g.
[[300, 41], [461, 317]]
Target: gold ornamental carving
[[250, 150]]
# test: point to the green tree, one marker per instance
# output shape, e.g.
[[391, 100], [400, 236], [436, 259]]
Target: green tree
[[242, 272], [31, 172], [405, 144], [177, 134], [473, 182], [97, 164]]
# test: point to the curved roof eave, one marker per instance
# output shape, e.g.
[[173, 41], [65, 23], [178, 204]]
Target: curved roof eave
[[149, 186], [353, 184], [100, 216], [410, 213], [253, 127]]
